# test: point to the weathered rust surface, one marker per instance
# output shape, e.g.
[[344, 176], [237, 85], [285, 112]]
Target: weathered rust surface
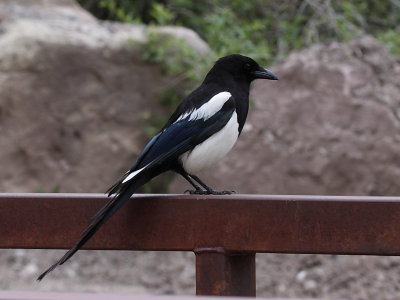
[[238, 223], [220, 273]]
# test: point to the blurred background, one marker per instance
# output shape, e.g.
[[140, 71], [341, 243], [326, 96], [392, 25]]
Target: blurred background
[[84, 84]]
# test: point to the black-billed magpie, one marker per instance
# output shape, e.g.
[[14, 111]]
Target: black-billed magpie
[[204, 127]]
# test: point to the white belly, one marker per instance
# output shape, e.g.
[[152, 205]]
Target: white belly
[[213, 149]]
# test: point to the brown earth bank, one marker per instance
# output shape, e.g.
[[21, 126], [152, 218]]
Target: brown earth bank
[[329, 126], [74, 100]]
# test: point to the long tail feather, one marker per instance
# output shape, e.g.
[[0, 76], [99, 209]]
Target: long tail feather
[[99, 219]]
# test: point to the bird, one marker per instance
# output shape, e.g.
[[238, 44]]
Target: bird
[[203, 129]]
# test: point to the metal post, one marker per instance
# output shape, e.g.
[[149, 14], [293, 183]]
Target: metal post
[[220, 273]]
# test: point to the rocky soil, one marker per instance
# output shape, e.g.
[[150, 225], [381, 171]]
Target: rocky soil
[[329, 126], [72, 92], [74, 99]]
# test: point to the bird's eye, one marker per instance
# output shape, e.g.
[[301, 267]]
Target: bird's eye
[[247, 66]]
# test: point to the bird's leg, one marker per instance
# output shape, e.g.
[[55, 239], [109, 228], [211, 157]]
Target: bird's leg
[[208, 189], [197, 190]]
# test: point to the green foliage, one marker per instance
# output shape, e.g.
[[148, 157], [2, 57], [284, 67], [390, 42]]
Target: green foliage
[[265, 30], [178, 60], [161, 14], [153, 123], [175, 56], [392, 39], [120, 10], [55, 189]]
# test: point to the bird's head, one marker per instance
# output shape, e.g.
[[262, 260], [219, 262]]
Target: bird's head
[[242, 68]]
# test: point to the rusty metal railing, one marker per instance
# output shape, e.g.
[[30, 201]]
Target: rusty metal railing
[[225, 232]]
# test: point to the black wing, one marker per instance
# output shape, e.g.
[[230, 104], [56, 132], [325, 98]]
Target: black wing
[[176, 139]]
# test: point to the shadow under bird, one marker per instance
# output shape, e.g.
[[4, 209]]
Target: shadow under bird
[[204, 127]]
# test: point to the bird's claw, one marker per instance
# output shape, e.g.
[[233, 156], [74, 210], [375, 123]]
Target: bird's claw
[[197, 192], [212, 192], [223, 192]]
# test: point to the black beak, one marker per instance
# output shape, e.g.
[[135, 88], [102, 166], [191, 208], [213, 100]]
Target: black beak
[[264, 74]]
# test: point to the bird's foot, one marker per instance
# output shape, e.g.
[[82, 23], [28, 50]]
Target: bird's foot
[[197, 192], [209, 192], [222, 192]]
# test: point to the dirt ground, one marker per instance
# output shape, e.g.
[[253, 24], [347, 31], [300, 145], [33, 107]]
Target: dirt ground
[[278, 275]]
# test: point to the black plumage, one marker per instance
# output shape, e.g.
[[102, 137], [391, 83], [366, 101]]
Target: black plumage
[[202, 129]]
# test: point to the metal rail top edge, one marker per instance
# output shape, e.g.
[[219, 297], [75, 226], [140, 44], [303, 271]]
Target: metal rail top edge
[[260, 197]]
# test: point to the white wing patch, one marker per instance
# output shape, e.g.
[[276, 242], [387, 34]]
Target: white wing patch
[[208, 109], [132, 175]]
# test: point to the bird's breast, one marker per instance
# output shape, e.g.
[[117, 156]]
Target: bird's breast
[[213, 149]]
